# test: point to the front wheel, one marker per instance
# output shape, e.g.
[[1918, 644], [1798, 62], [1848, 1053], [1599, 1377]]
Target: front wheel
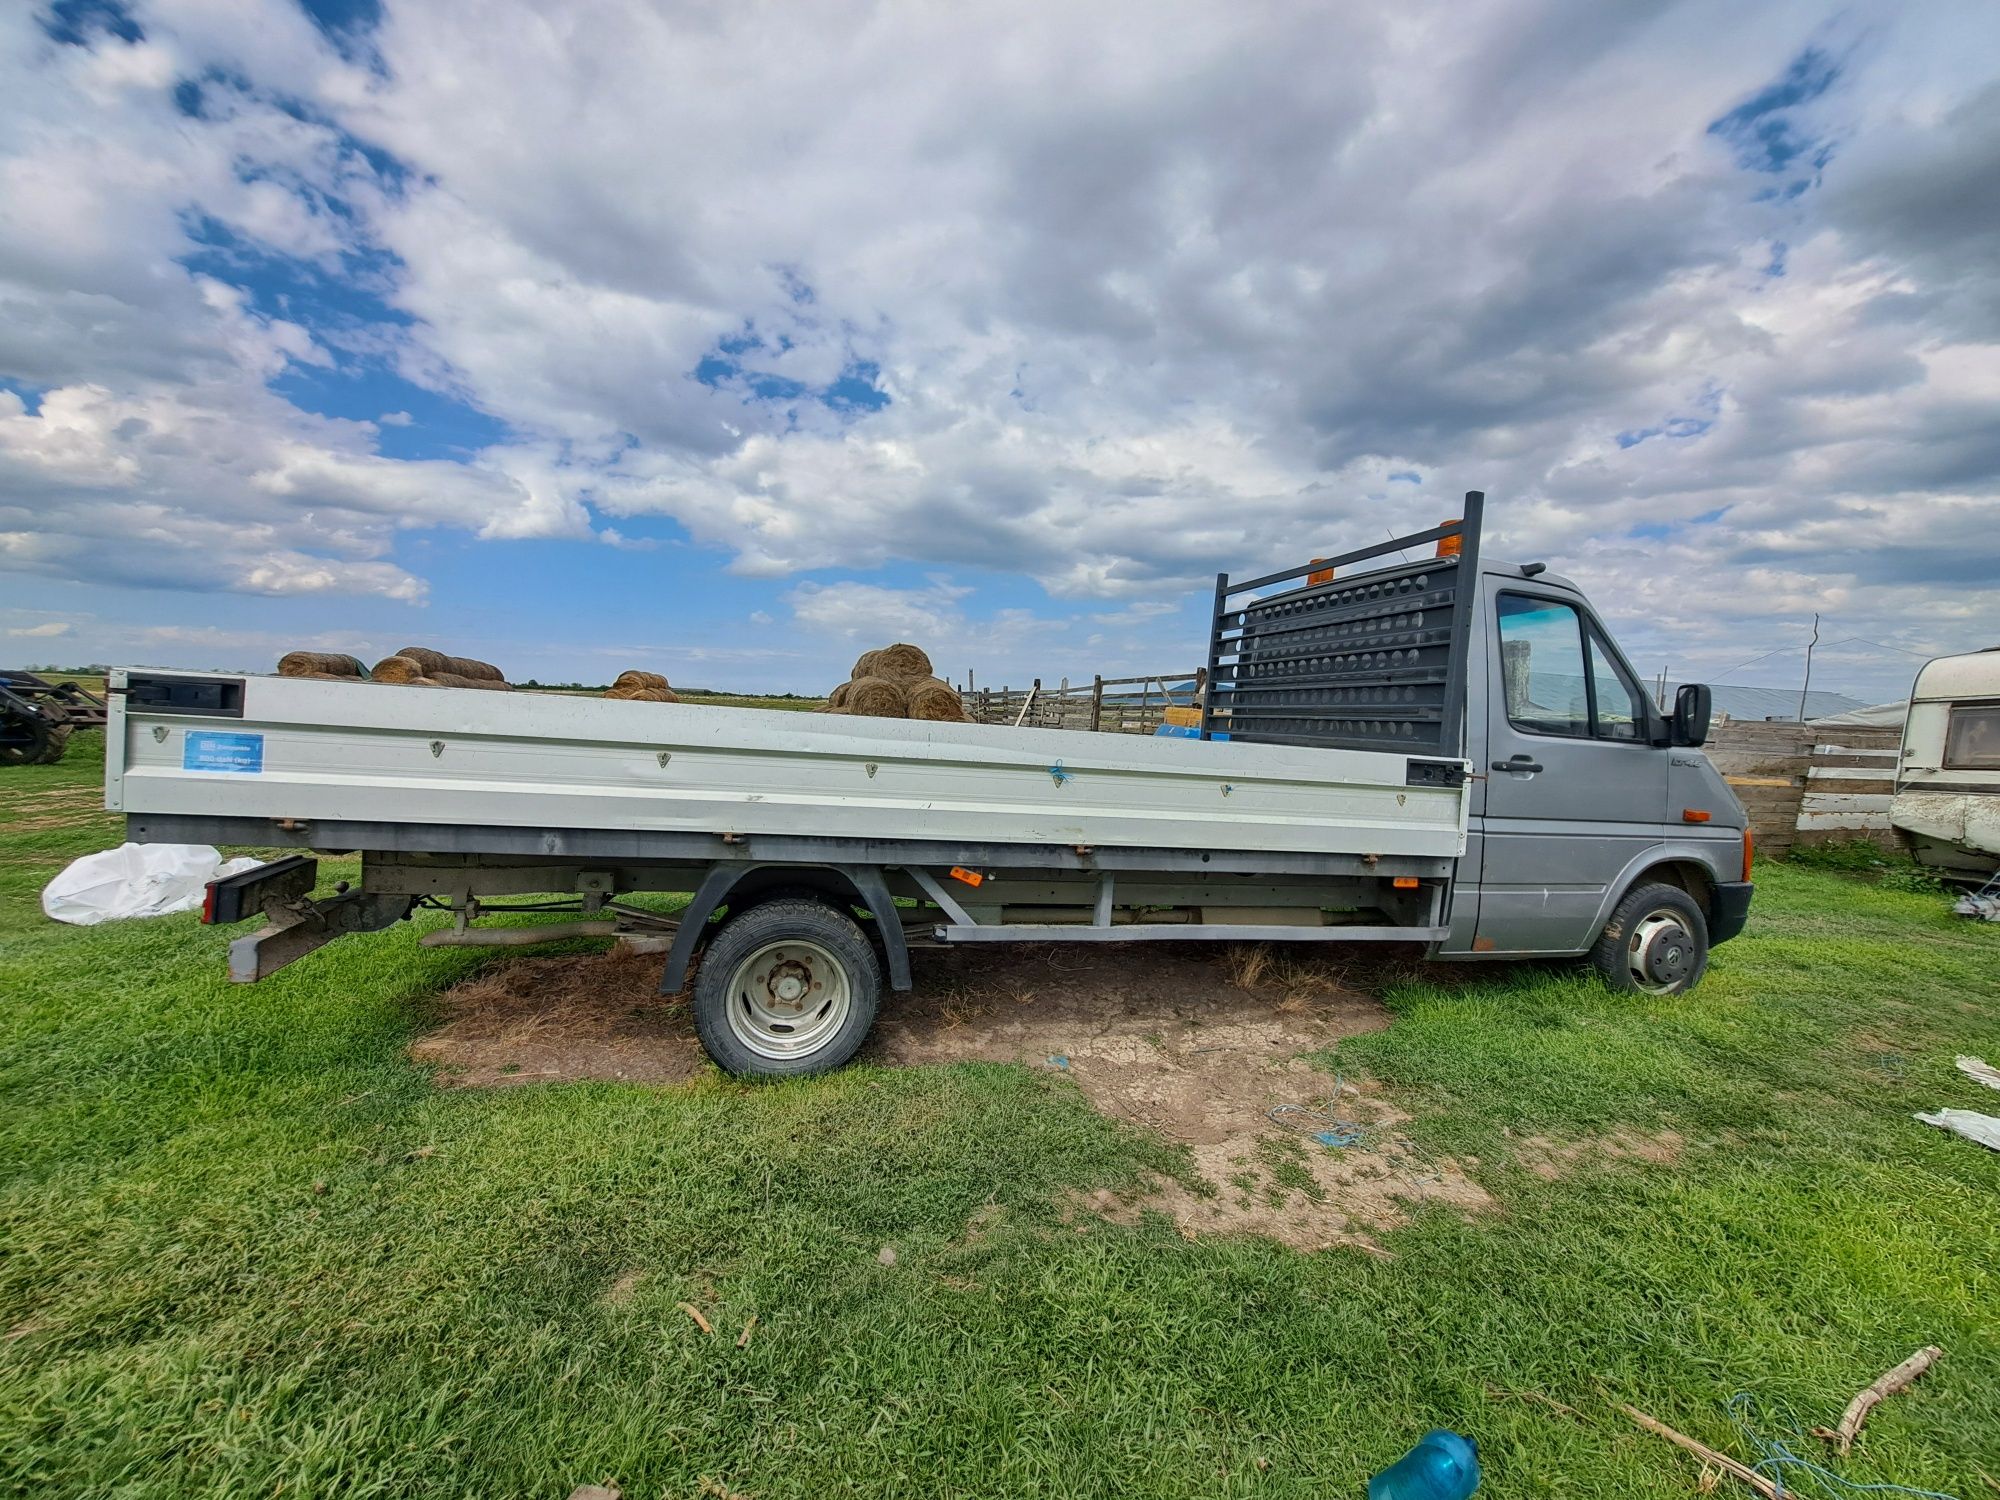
[[786, 989], [1656, 943]]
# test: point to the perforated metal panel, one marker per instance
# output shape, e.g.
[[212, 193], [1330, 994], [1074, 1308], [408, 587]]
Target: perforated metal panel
[[1370, 661]]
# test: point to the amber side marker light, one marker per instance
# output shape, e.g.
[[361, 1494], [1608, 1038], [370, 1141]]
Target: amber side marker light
[[970, 877], [1453, 545], [1694, 815], [1406, 882], [1320, 575]]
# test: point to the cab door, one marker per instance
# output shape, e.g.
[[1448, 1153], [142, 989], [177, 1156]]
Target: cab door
[[1576, 788]]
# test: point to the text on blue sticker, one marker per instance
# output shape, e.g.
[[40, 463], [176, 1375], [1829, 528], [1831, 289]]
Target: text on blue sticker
[[217, 750]]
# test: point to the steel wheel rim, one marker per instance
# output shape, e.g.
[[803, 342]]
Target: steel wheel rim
[[1648, 927], [788, 998]]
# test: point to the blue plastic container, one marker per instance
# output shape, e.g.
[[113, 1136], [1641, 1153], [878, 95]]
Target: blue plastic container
[[1443, 1466]]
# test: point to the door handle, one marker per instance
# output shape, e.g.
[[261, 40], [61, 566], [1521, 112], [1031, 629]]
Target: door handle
[[1518, 763]]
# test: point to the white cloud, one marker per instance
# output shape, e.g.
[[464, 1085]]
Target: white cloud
[[1150, 293], [866, 611], [47, 629]]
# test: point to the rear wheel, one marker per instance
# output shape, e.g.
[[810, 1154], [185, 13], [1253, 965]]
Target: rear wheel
[[1656, 943], [33, 737], [786, 989], [60, 729]]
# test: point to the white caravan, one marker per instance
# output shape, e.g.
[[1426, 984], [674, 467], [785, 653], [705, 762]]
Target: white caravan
[[1948, 784]]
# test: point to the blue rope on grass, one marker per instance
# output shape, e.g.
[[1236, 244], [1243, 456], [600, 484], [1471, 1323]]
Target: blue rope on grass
[[1337, 1135], [1774, 1459]]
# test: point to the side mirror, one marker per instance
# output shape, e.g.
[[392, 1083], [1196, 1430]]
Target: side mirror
[[1694, 707]]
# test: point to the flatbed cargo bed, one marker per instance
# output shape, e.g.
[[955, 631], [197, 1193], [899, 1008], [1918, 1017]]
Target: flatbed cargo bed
[[297, 755]]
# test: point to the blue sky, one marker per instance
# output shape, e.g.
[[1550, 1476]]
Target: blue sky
[[635, 340]]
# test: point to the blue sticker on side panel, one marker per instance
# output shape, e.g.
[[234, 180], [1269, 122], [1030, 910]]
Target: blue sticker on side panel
[[215, 750]]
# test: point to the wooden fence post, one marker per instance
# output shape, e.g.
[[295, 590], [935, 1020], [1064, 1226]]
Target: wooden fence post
[[1097, 703]]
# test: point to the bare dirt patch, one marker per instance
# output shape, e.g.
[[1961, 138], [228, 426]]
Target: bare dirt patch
[[1550, 1159], [552, 1020], [1200, 1044], [623, 1286]]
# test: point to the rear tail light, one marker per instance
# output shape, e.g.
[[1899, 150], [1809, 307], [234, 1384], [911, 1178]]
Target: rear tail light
[[1749, 842], [208, 904]]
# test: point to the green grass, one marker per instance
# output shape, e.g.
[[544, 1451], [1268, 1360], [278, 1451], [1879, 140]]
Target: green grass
[[246, 1248]]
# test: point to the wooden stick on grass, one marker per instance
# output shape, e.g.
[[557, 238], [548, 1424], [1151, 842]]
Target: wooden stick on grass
[[1706, 1454], [1898, 1379], [694, 1312]]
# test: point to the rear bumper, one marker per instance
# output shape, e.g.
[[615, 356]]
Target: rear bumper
[[1730, 910]]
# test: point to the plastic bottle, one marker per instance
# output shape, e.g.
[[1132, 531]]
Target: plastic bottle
[[1443, 1466]]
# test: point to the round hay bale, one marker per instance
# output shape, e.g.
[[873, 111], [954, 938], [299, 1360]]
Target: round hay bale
[[638, 679], [902, 662], [864, 666], [320, 664], [876, 698], [936, 701], [640, 693], [454, 680], [437, 664], [397, 668], [838, 697]]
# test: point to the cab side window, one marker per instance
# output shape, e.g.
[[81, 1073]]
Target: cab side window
[[1621, 712], [1559, 676], [1541, 666]]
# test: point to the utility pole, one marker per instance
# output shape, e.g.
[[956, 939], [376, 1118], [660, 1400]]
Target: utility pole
[[1808, 682], [1660, 692]]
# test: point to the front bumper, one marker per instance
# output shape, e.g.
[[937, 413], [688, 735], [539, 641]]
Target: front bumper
[[1730, 910]]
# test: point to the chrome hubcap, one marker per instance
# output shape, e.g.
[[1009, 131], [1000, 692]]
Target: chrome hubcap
[[787, 999], [1660, 953]]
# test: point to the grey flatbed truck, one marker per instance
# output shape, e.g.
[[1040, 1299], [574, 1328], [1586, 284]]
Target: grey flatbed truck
[[1444, 751]]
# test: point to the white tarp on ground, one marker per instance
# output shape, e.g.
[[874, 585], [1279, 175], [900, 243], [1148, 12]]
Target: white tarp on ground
[[1985, 1129], [136, 880], [1875, 716]]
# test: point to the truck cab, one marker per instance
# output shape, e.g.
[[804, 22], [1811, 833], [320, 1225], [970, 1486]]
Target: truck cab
[[1587, 791], [1595, 822]]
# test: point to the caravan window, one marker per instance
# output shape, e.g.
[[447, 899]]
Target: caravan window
[[1972, 738]]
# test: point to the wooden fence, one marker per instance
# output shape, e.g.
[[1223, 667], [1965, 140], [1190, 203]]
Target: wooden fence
[[1848, 791], [1808, 784], [1110, 705]]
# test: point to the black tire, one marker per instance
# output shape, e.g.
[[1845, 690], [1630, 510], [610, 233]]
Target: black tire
[[740, 904], [758, 977], [1656, 943], [60, 729], [30, 737]]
